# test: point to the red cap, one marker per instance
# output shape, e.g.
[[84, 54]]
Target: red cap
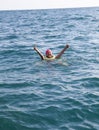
[[48, 51]]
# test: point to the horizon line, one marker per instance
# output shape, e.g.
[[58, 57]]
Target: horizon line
[[50, 8]]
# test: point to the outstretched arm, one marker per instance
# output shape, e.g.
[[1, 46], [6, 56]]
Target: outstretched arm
[[60, 54], [40, 54]]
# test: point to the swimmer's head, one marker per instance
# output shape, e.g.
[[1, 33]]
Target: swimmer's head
[[48, 53]]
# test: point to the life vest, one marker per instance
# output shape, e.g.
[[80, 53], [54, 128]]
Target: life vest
[[46, 58]]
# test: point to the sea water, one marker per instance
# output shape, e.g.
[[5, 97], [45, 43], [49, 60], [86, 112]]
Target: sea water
[[58, 95]]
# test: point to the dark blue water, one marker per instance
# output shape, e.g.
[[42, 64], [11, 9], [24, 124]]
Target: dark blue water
[[58, 95]]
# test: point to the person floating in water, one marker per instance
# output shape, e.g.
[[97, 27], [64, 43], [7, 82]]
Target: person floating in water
[[49, 55]]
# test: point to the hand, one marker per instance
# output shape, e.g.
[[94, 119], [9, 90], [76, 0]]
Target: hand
[[67, 46], [35, 47]]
